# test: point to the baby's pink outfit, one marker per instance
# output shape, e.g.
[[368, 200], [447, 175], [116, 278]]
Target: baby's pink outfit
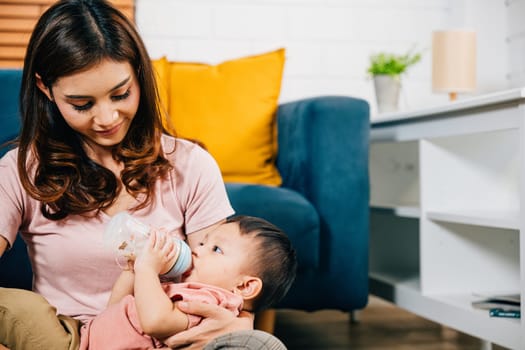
[[118, 327]]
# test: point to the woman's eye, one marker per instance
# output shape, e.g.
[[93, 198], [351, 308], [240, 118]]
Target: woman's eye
[[216, 249], [83, 107], [120, 97]]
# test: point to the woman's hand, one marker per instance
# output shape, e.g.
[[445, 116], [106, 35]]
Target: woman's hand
[[216, 321]]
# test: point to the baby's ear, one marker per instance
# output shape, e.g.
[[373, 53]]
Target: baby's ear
[[249, 288]]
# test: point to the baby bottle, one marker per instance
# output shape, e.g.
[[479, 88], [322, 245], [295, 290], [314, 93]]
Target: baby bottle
[[126, 236]]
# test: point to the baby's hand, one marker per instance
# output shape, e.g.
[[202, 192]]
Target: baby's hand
[[158, 254]]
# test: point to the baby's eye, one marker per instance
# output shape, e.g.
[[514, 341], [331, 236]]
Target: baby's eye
[[120, 97], [216, 249], [83, 107]]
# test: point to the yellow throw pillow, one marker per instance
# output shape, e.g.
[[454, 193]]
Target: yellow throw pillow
[[161, 68], [230, 107]]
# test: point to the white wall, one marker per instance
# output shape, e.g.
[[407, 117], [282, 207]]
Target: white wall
[[328, 42], [516, 41], [489, 19]]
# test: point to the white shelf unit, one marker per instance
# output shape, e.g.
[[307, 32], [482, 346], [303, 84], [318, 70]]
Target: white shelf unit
[[446, 216]]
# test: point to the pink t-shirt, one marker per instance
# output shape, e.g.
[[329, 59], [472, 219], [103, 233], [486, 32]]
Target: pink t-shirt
[[71, 268], [118, 327]]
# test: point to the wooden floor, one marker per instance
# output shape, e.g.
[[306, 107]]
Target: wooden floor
[[381, 326]]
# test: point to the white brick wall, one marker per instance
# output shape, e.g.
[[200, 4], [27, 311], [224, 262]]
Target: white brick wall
[[516, 41], [328, 42]]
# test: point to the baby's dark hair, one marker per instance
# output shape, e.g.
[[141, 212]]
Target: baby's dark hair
[[275, 262]]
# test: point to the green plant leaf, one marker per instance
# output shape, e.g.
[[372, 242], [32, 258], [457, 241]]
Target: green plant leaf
[[392, 64]]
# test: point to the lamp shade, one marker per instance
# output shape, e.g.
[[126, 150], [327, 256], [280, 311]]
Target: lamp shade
[[453, 61]]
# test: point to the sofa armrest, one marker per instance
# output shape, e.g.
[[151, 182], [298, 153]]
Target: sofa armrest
[[323, 154]]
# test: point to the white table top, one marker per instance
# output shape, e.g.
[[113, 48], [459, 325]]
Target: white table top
[[499, 97]]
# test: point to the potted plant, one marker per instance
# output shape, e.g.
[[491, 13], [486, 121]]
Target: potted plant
[[386, 70]]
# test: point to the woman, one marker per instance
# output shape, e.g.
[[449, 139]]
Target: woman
[[92, 145]]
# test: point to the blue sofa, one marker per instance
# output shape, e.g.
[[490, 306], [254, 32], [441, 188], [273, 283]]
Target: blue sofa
[[322, 203]]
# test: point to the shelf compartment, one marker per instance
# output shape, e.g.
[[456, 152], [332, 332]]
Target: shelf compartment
[[473, 172], [502, 331], [394, 174], [394, 244], [466, 259], [395, 287], [455, 310]]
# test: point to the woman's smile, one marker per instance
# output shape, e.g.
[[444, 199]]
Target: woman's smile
[[109, 132]]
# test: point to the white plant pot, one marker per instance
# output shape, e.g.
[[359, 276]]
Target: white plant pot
[[387, 89]]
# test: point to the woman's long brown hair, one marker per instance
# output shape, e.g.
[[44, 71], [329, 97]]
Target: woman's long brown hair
[[72, 36]]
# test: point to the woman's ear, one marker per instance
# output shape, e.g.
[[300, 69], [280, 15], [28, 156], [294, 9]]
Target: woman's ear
[[249, 288], [40, 84]]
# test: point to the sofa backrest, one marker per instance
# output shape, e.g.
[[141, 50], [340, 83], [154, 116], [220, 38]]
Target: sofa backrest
[[15, 270], [10, 80]]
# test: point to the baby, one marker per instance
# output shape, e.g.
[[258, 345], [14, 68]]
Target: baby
[[246, 264]]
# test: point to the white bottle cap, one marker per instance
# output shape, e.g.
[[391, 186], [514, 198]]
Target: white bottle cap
[[183, 262]]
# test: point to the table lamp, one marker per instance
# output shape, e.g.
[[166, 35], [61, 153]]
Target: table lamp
[[453, 62]]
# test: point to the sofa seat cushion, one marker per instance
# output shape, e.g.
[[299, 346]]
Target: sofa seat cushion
[[15, 268], [287, 209]]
